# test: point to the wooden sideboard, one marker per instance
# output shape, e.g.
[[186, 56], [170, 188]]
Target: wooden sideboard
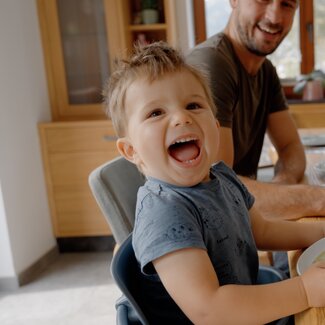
[[71, 150], [308, 115]]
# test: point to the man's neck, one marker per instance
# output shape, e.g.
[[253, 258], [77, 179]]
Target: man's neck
[[249, 61]]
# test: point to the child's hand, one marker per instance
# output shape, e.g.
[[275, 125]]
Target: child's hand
[[314, 282]]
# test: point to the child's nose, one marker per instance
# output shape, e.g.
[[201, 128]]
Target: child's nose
[[182, 118]]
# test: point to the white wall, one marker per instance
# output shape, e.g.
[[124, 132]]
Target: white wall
[[25, 227]]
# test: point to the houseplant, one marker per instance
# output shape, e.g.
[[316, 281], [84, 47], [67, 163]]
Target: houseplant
[[311, 85]]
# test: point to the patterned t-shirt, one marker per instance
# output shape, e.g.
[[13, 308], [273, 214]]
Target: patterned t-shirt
[[212, 216]]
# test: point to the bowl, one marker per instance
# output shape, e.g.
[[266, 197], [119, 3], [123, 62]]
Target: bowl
[[309, 256], [319, 170]]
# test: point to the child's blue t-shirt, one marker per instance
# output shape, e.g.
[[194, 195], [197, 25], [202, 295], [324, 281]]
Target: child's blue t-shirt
[[212, 216]]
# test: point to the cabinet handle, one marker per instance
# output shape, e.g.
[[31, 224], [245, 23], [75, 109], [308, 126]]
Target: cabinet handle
[[110, 137]]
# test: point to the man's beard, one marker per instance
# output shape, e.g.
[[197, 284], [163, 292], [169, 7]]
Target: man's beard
[[252, 47], [254, 50]]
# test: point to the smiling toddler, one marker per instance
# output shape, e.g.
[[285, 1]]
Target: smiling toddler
[[196, 231]]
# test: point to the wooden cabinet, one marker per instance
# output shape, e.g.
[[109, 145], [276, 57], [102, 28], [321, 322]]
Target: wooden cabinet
[[71, 150], [308, 115], [81, 39], [145, 25]]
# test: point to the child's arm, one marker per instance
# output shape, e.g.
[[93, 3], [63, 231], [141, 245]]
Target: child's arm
[[274, 234], [190, 279]]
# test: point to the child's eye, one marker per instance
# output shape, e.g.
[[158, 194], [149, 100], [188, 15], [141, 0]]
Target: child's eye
[[192, 106], [155, 113]]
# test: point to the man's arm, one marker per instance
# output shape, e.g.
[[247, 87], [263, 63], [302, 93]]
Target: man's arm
[[277, 200], [287, 202], [291, 164], [271, 234]]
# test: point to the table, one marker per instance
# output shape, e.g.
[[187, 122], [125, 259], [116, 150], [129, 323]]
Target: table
[[312, 316]]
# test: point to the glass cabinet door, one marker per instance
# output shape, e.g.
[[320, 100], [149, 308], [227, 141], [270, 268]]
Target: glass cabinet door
[[81, 38], [85, 49]]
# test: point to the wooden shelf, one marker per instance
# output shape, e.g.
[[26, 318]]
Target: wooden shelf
[[143, 27]]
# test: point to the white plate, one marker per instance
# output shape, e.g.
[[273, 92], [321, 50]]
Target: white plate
[[309, 255], [313, 140]]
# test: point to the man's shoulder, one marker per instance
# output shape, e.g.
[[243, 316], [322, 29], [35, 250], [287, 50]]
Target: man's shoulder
[[214, 45], [216, 54], [213, 41]]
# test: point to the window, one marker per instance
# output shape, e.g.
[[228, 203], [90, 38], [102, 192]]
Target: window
[[302, 50], [319, 25]]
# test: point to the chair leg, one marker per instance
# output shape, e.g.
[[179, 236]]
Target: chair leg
[[122, 315]]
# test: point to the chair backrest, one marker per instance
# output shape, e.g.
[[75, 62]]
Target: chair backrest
[[115, 185], [126, 273]]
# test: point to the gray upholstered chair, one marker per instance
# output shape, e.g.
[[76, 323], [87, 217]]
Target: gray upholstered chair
[[115, 185], [126, 273]]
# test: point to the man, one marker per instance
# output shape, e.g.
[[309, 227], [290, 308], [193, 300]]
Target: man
[[250, 102]]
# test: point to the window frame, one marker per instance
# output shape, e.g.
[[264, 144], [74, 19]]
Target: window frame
[[306, 22]]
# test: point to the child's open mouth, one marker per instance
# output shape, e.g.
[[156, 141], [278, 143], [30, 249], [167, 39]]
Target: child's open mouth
[[185, 150]]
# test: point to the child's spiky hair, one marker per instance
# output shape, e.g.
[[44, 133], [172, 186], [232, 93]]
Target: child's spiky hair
[[152, 61]]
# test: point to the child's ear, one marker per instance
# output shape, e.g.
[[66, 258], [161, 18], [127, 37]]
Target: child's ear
[[125, 148]]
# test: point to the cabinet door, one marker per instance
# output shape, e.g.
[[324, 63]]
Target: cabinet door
[[71, 150], [81, 38]]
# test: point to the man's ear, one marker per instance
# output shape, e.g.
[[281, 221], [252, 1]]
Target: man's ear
[[125, 148]]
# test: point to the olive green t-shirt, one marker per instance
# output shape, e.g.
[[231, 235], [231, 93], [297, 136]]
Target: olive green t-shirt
[[243, 101]]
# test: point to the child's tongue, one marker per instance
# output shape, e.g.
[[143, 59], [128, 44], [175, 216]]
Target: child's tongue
[[184, 151]]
